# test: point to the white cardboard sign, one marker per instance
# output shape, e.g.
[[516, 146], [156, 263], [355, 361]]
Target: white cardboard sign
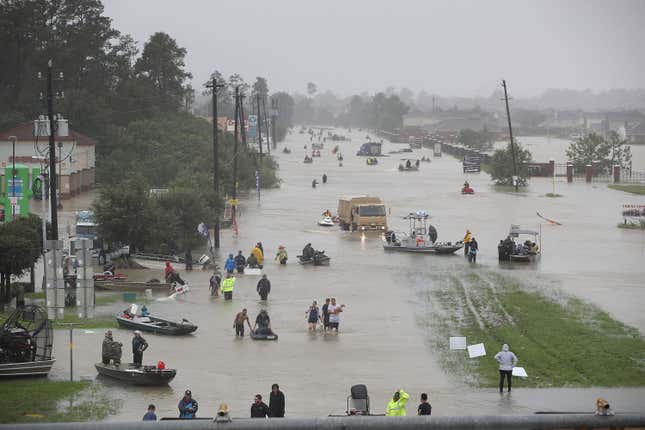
[[457, 342], [476, 350]]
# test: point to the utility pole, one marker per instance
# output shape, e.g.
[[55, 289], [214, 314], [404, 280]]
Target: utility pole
[[274, 116], [14, 201], [52, 153], [215, 86], [259, 124], [266, 125], [234, 193], [510, 133]]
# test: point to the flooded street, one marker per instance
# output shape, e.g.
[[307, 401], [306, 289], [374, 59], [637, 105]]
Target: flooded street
[[382, 342]]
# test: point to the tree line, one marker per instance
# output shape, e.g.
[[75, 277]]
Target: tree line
[[136, 104]]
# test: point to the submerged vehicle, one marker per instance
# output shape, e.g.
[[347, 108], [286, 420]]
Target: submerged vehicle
[[422, 237], [370, 149], [362, 213], [156, 325], [517, 251], [26, 340], [144, 375]]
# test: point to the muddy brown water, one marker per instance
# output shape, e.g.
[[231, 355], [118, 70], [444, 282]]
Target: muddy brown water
[[381, 342]]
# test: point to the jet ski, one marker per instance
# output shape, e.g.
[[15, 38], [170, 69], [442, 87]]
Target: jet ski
[[467, 190], [326, 222]]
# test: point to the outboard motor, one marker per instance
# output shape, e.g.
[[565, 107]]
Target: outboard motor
[[432, 233], [358, 403]]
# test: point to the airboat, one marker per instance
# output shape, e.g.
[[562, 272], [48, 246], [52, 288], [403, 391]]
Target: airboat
[[422, 237], [514, 250], [26, 340]]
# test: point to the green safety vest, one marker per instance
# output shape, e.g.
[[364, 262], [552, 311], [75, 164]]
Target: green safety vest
[[228, 284]]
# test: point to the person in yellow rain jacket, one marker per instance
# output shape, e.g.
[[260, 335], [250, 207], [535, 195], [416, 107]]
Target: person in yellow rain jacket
[[227, 285], [259, 255], [466, 241], [396, 407]]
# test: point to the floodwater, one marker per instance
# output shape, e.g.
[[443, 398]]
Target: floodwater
[[544, 149], [381, 341]]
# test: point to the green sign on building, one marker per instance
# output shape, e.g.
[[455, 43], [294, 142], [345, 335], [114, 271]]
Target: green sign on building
[[16, 191]]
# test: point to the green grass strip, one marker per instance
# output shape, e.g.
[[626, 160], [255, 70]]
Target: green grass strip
[[560, 341]]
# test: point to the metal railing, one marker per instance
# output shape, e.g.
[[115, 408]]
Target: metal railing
[[532, 422]]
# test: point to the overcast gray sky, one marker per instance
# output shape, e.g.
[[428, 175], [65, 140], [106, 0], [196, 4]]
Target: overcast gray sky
[[450, 47]]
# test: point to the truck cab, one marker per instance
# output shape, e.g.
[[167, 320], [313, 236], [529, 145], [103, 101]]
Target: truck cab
[[362, 214]]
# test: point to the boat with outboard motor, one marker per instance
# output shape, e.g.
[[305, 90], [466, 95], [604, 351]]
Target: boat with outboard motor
[[156, 325], [144, 375], [422, 237], [521, 252]]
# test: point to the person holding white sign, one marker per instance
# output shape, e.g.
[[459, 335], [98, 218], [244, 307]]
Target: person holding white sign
[[507, 360]]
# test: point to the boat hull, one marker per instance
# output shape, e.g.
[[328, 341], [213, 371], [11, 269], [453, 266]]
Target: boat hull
[[114, 285], [169, 328], [271, 336], [134, 376], [30, 368], [424, 249]]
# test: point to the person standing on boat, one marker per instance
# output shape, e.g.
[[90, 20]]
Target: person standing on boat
[[187, 406], [230, 265], [227, 287], [111, 350], [507, 360], [139, 345], [473, 249], [466, 241], [264, 287], [240, 262]]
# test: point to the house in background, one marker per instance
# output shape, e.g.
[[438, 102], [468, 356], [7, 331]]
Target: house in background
[[75, 157], [635, 135]]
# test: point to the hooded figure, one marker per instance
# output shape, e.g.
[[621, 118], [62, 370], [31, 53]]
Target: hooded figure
[[396, 406], [230, 264], [264, 287], [507, 360]]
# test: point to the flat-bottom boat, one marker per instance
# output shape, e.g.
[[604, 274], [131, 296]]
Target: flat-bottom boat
[[144, 375], [29, 368], [157, 325], [319, 260], [422, 238]]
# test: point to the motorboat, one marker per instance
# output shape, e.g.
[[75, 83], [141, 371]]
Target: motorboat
[[144, 375], [514, 250], [125, 285], [315, 153], [326, 222], [409, 165], [422, 238], [156, 325]]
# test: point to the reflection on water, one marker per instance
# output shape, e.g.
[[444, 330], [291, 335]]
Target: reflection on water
[[380, 343]]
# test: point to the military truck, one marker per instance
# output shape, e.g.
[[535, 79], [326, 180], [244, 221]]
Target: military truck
[[362, 213]]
